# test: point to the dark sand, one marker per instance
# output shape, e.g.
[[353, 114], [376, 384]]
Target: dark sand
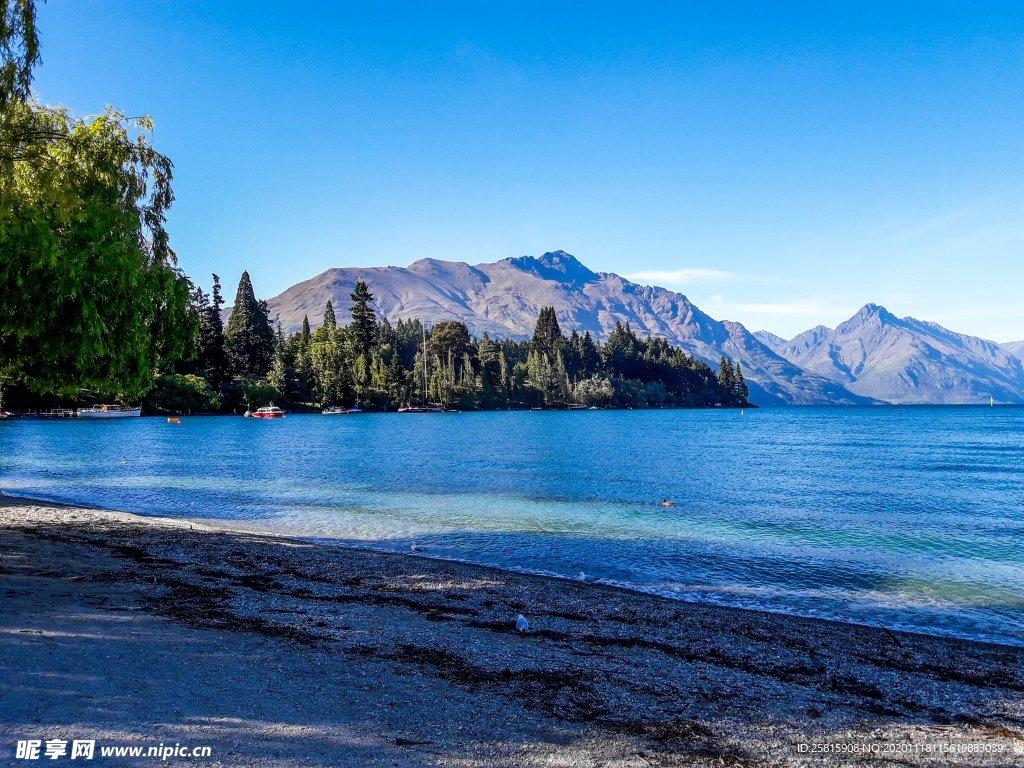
[[276, 652]]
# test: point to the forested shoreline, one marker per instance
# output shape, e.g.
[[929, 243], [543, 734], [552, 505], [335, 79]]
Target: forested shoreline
[[377, 366]]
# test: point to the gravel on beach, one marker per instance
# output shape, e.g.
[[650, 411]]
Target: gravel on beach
[[132, 630]]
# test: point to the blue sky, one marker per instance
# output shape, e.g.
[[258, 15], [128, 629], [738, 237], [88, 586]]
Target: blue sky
[[780, 163]]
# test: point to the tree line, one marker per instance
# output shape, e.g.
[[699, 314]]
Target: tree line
[[372, 364]]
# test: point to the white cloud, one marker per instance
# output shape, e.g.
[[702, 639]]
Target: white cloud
[[686, 276]]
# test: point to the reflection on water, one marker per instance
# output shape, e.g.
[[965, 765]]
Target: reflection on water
[[909, 517]]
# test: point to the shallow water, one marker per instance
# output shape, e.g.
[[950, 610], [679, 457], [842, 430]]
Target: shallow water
[[909, 517]]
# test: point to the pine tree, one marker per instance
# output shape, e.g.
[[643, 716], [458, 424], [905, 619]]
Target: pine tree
[[547, 335], [726, 381], [364, 320], [210, 357], [281, 371], [330, 321], [305, 330], [248, 338], [740, 390]]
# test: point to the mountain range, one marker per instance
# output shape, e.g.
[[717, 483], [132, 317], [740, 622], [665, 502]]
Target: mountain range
[[872, 358]]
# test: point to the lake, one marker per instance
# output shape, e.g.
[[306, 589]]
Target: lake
[[908, 517]]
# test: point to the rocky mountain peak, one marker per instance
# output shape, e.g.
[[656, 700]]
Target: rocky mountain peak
[[559, 266]]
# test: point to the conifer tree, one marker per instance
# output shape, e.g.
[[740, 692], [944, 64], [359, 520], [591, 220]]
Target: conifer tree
[[726, 380], [210, 343], [330, 321], [364, 320], [305, 329], [740, 390], [547, 335], [280, 372], [248, 338]]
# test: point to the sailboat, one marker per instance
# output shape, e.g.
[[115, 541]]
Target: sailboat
[[422, 408]]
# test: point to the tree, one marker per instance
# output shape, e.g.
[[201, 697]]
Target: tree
[[305, 329], [364, 320], [740, 390], [176, 393], [282, 371], [726, 380], [19, 50], [330, 321], [448, 340], [210, 343], [329, 359], [547, 336], [248, 339], [90, 294], [593, 391]]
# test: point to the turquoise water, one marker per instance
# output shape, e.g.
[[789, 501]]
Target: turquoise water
[[906, 517]]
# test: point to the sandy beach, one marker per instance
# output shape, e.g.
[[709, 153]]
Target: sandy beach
[[132, 630]]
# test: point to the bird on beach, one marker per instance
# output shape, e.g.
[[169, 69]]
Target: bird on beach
[[522, 625], [414, 548]]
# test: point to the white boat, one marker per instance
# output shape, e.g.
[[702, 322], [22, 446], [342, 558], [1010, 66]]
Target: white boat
[[420, 409], [109, 412], [337, 410]]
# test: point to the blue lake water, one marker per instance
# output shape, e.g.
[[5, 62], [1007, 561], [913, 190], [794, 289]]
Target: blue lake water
[[909, 517]]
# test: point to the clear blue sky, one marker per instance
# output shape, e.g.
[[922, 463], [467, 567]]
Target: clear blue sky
[[780, 163]]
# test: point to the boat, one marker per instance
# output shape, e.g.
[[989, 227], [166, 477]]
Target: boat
[[109, 412], [268, 412], [426, 388], [337, 410], [173, 420]]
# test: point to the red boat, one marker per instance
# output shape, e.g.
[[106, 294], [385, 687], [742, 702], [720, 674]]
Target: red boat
[[268, 412]]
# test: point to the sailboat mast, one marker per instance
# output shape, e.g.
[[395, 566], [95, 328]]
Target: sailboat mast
[[425, 385]]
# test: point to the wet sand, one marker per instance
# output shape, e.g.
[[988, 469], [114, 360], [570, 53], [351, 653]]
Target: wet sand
[[135, 630]]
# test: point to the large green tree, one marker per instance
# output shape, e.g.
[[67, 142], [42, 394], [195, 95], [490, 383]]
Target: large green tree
[[210, 358], [248, 338], [364, 320], [90, 294], [19, 49]]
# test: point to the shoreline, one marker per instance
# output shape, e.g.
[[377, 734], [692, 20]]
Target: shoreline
[[605, 674], [228, 528]]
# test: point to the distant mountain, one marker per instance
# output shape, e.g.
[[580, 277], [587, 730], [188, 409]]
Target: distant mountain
[[904, 360], [1015, 348], [503, 299], [770, 340]]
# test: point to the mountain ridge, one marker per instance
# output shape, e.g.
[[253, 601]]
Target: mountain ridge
[[906, 360], [504, 298]]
